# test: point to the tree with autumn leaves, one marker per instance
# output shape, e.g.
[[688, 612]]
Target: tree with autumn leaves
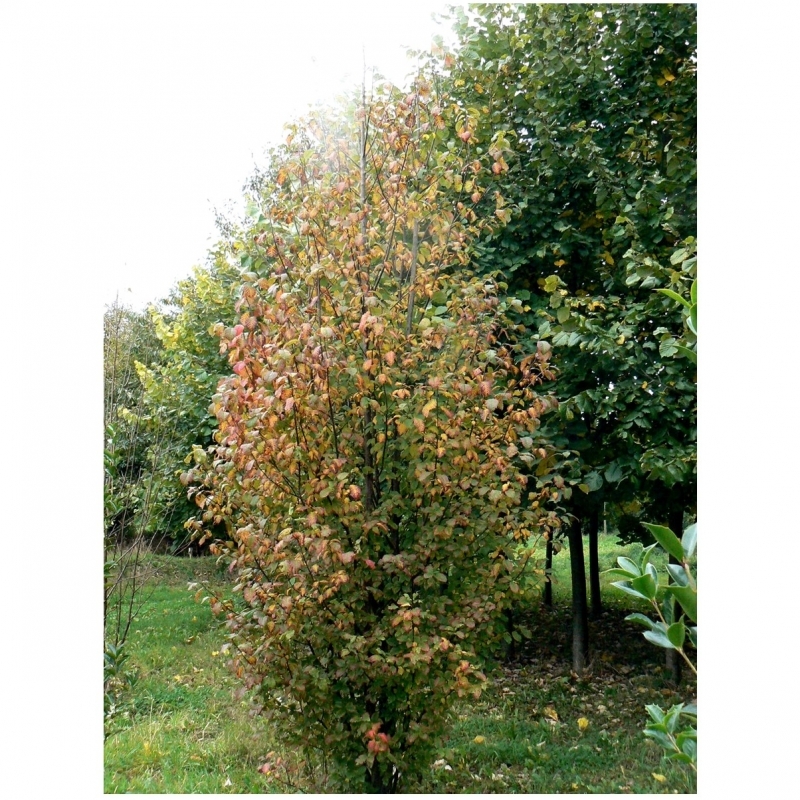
[[376, 437]]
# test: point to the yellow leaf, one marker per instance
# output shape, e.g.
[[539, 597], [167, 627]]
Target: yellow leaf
[[428, 407], [659, 778], [551, 713], [583, 723], [479, 740], [560, 262], [667, 74]]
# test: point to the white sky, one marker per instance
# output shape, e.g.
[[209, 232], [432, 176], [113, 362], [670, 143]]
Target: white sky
[[165, 108]]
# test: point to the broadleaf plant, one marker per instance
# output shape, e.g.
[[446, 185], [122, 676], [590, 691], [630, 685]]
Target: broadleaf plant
[[375, 436]]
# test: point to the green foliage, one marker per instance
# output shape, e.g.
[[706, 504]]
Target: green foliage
[[118, 681], [375, 438], [178, 389], [129, 337], [679, 741], [670, 631], [601, 194]]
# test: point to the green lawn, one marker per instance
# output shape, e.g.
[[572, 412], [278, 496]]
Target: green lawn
[[183, 728]]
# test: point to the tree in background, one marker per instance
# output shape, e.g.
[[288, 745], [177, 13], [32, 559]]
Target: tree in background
[[376, 436], [179, 387], [601, 194]]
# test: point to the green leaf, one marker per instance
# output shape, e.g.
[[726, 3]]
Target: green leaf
[[694, 292], [646, 585], [646, 553], [678, 256], [614, 474], [692, 320], [660, 736], [625, 586], [641, 618], [686, 352], [629, 566], [676, 633], [594, 480], [689, 541], [667, 539], [675, 296], [678, 574], [687, 598], [659, 638]]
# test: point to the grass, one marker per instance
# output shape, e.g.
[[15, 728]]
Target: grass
[[184, 728]]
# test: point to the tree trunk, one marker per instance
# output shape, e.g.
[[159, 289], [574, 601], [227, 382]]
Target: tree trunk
[[580, 618], [548, 571], [673, 660], [511, 652], [594, 563]]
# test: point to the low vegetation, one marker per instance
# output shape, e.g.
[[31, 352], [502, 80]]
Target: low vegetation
[[185, 725]]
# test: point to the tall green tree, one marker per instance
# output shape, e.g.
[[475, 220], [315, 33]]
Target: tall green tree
[[601, 189]]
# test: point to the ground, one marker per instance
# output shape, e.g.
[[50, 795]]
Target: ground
[[184, 727]]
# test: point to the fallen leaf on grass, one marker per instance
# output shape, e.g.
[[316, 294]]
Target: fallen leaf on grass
[[583, 723], [479, 740], [551, 713], [658, 777]]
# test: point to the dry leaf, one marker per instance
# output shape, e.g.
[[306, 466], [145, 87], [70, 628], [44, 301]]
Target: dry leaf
[[551, 713]]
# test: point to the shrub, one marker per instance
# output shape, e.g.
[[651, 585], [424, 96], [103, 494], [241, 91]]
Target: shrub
[[375, 438]]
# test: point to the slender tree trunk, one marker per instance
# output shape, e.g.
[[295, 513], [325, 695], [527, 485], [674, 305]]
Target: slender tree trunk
[[673, 660], [548, 571], [511, 653], [580, 617], [594, 563]]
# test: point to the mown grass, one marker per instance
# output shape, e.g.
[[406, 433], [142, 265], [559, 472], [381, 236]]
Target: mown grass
[[185, 729]]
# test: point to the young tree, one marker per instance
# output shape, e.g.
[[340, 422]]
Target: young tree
[[375, 437]]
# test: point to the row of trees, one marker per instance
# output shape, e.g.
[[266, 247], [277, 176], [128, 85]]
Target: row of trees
[[446, 347], [601, 102]]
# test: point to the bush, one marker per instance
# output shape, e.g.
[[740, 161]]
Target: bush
[[375, 439]]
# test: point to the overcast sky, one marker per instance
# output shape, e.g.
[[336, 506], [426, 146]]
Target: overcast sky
[[162, 109]]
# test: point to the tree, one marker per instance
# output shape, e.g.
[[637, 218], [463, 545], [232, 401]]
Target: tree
[[178, 389], [128, 337], [601, 190], [375, 438]]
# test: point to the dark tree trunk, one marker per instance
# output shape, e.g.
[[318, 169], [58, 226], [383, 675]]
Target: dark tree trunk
[[594, 563], [548, 571], [511, 653], [580, 617], [673, 660]]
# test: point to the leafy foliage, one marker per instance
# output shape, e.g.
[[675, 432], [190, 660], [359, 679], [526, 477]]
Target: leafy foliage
[[601, 193], [375, 438], [670, 631], [178, 389]]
